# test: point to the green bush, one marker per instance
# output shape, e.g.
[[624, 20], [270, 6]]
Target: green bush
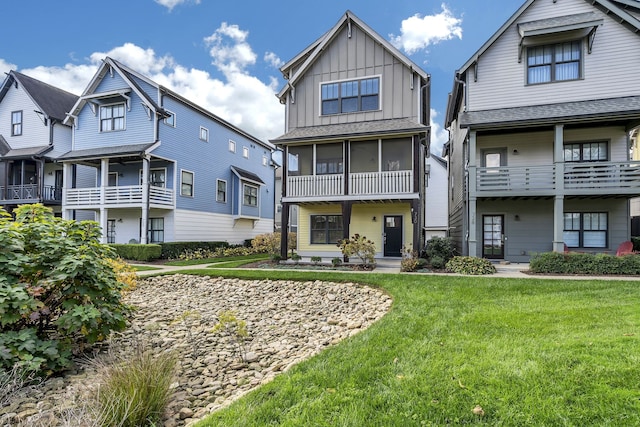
[[470, 265], [636, 244], [58, 290], [316, 259], [441, 249], [173, 250], [138, 252], [582, 263], [360, 247]]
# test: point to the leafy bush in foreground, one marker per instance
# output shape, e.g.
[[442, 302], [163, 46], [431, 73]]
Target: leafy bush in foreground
[[438, 251], [470, 265], [58, 291]]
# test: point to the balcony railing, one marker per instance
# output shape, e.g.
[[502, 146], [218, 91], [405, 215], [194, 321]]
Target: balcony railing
[[29, 193], [368, 183], [125, 195], [579, 179]]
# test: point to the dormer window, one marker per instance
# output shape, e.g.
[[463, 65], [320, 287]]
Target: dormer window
[[350, 96], [554, 63], [112, 117]]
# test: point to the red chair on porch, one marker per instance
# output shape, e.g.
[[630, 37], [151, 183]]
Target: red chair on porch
[[625, 248]]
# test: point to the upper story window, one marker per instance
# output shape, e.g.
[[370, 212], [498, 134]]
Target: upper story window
[[157, 177], [204, 134], [586, 152], [250, 195], [170, 119], [232, 146], [112, 117], [350, 96], [265, 161], [16, 123], [245, 152], [186, 183], [554, 62]]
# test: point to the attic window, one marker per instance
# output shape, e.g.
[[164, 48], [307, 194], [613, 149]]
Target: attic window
[[350, 96]]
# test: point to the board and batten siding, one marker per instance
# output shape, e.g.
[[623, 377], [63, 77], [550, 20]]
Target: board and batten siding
[[206, 226], [345, 58], [501, 79], [34, 132]]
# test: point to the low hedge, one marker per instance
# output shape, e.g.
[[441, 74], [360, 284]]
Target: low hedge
[[173, 250], [137, 252], [470, 265], [581, 263]]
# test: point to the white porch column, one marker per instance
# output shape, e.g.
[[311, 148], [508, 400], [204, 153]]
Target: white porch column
[[144, 223], [473, 231], [104, 179], [103, 221], [66, 183], [558, 206]]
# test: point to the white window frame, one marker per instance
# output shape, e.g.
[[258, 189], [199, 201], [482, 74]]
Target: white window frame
[[124, 117], [18, 124], [265, 160], [257, 196], [218, 181], [245, 152], [166, 119], [232, 146], [204, 134], [193, 182]]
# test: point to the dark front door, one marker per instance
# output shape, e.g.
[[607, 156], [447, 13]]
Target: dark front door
[[493, 236], [393, 235]]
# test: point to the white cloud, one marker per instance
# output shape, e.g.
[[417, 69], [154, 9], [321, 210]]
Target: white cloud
[[170, 4], [273, 59], [239, 98], [5, 67], [439, 136], [229, 49], [418, 32]]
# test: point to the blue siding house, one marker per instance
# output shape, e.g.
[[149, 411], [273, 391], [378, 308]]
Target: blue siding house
[[164, 165]]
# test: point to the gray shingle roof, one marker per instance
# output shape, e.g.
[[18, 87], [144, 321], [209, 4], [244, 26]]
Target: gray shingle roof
[[344, 130], [18, 153], [116, 151], [54, 102], [245, 174], [558, 21], [602, 109]]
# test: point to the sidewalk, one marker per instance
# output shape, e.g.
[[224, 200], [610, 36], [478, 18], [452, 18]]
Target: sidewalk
[[392, 266]]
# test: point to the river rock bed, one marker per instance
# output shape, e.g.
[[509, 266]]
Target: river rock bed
[[287, 322]]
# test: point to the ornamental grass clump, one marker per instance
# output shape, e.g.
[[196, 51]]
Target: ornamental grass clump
[[470, 265], [134, 390]]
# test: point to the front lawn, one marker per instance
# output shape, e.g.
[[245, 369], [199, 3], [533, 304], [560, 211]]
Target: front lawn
[[527, 351]]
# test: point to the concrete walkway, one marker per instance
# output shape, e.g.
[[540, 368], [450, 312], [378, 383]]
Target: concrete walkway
[[392, 266]]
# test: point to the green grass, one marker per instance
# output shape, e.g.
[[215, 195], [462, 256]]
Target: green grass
[[247, 258], [529, 351]]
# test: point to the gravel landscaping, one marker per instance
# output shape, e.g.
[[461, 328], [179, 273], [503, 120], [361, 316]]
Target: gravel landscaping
[[287, 322]]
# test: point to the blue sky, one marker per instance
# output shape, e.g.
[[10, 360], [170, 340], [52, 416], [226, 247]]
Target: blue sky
[[225, 56]]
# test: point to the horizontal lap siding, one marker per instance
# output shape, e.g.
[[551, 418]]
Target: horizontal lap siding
[[502, 79], [34, 133], [204, 226]]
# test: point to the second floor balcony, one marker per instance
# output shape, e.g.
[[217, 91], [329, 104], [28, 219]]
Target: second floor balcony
[[578, 178], [125, 196], [370, 184], [30, 193]]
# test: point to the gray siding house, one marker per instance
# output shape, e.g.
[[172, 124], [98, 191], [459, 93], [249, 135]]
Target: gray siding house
[[356, 135], [167, 169], [32, 136], [539, 120]]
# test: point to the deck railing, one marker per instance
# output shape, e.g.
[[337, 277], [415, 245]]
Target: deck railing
[[614, 177], [367, 183], [117, 195], [516, 179], [30, 192]]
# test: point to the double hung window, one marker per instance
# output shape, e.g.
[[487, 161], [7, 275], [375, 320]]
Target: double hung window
[[350, 96], [250, 195], [16, 123]]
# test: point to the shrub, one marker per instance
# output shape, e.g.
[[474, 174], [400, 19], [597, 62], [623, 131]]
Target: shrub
[[440, 248], [582, 263], [135, 390], [409, 260], [173, 250], [235, 329], [58, 291], [360, 247], [316, 259], [138, 252], [296, 258], [125, 274], [336, 262], [636, 244], [269, 243], [470, 265]]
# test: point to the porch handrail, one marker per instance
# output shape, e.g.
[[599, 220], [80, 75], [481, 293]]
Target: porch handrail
[[117, 195], [516, 178], [588, 175], [315, 185], [386, 182]]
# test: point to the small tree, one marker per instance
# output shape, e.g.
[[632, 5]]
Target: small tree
[[360, 247]]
